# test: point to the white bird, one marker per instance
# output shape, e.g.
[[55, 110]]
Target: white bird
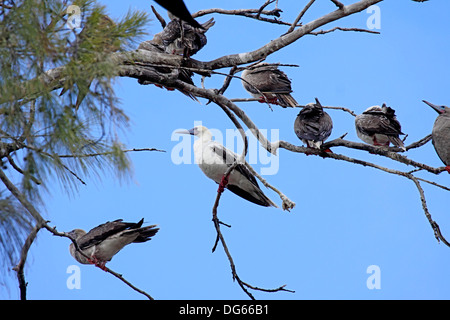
[[214, 160], [102, 242]]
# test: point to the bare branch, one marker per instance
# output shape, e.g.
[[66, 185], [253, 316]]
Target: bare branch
[[107, 153], [437, 231], [263, 7], [23, 257], [343, 29], [41, 223], [301, 14], [158, 16], [391, 153], [248, 13], [338, 4], [216, 220]]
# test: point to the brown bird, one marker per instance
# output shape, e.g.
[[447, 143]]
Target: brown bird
[[266, 81], [179, 37], [104, 241], [379, 126], [181, 74], [313, 125], [441, 133]]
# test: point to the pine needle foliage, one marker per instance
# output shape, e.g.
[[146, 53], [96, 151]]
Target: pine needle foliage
[[50, 134]]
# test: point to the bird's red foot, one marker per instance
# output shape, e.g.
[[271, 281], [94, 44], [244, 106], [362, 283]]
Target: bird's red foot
[[223, 183], [447, 168], [98, 263], [324, 152], [273, 100]]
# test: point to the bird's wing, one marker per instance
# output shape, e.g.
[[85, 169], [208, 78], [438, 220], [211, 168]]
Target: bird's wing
[[271, 80], [313, 124], [105, 230], [325, 126], [229, 158], [179, 9], [171, 32], [377, 122], [251, 191], [146, 233]]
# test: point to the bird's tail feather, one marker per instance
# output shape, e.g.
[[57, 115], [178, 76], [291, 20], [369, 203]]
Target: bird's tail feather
[[286, 100], [208, 24], [146, 233], [261, 199], [396, 141]]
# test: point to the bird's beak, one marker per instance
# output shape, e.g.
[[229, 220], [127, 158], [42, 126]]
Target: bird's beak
[[191, 131], [318, 102], [438, 109]]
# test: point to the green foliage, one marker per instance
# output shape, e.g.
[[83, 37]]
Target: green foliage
[[15, 225], [46, 135], [39, 122]]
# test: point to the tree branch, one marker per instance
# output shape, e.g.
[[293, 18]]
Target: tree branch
[[300, 15], [41, 223], [133, 63], [217, 222]]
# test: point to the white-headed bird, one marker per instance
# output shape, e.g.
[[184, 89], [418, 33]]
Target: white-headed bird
[[214, 160]]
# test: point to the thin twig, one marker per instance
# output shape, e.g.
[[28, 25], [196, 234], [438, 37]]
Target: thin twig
[[338, 4], [107, 153], [23, 257], [248, 13], [315, 33], [437, 231], [301, 14], [263, 7], [215, 219], [41, 223], [159, 17]]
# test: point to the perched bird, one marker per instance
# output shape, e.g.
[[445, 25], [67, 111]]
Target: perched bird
[[179, 9], [214, 160], [179, 37], [266, 81], [313, 125], [441, 133], [92, 43], [379, 126], [104, 241], [181, 74]]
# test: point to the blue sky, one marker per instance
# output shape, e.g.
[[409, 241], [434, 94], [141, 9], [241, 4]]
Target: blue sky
[[346, 218]]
